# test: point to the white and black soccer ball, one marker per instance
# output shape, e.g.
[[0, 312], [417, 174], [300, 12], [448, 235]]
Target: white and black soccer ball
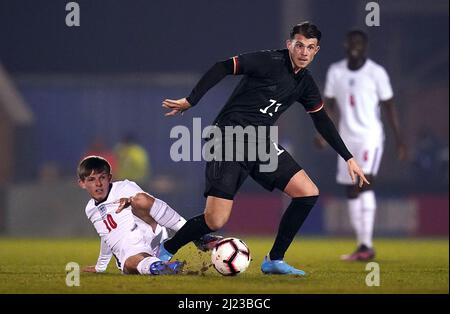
[[230, 256]]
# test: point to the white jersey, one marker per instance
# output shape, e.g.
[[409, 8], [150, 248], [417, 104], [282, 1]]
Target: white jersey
[[121, 234], [358, 94]]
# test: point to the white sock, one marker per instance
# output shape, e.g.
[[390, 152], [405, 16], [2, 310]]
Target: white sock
[[369, 206], [166, 216], [355, 213], [144, 266]]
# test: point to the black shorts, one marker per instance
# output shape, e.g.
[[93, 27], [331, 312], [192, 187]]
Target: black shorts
[[224, 178]]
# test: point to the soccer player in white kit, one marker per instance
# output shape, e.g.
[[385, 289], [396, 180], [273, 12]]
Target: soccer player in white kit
[[358, 85], [131, 236]]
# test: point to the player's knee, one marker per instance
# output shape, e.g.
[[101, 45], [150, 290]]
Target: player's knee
[[310, 190], [142, 201], [314, 190], [301, 186], [215, 222]]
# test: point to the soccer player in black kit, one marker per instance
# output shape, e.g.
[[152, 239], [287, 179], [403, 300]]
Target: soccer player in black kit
[[272, 81]]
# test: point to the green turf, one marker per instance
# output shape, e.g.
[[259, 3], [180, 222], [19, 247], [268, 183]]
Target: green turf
[[406, 266]]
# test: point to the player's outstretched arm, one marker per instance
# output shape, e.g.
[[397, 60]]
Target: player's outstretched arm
[[326, 128], [213, 76], [104, 257]]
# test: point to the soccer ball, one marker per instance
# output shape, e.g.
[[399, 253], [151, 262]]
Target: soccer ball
[[230, 256]]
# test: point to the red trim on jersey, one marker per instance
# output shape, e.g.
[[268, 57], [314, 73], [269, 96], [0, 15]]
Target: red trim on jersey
[[235, 65], [316, 108]]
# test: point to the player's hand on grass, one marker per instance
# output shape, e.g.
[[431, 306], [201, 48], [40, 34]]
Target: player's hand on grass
[[124, 203], [355, 171], [89, 269], [176, 106]]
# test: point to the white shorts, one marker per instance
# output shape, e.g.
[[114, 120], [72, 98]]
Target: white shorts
[[153, 238], [367, 155], [141, 239]]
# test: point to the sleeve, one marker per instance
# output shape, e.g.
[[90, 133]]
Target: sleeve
[[129, 189], [213, 76], [329, 84], [310, 98], [253, 63], [326, 128], [384, 88], [103, 258]]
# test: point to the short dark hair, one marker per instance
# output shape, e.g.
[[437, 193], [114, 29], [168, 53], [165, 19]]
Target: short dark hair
[[358, 32], [306, 29], [89, 164]]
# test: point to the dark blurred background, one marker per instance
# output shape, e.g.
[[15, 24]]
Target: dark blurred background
[[68, 91]]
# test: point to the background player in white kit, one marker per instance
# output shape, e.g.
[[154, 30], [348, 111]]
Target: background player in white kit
[[358, 85], [132, 236]]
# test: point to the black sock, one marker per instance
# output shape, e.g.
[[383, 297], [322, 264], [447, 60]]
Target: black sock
[[193, 229], [291, 222]]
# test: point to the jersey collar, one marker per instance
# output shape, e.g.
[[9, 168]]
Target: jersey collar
[[289, 65], [106, 197]]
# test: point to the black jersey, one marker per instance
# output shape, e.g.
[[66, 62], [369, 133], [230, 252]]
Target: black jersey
[[268, 88]]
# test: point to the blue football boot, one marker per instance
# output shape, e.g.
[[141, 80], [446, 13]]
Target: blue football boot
[[166, 268], [279, 267]]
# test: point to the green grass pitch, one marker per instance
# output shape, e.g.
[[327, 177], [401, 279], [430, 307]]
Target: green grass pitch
[[406, 266]]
